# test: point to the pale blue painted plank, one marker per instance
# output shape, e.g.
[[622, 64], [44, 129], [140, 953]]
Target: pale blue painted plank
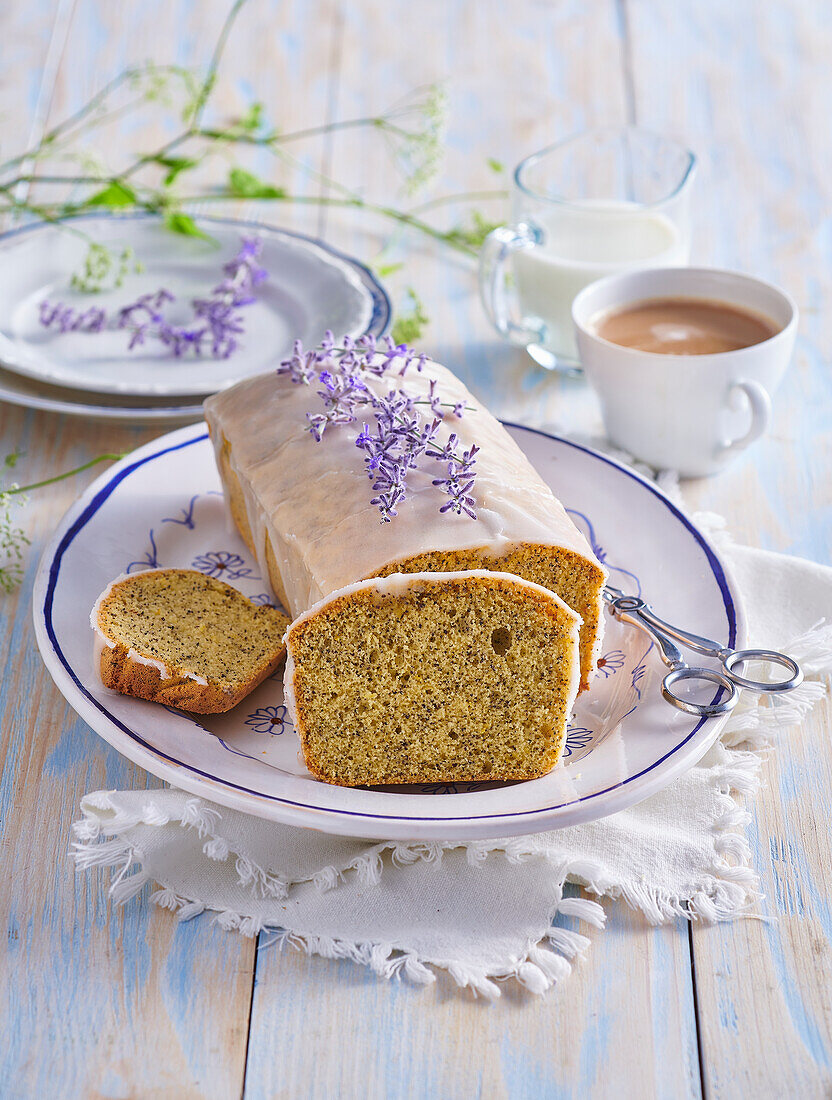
[[409, 1043], [129, 1003], [105, 1003], [750, 93]]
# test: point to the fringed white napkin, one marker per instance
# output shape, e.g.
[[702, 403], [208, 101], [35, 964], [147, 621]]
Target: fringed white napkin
[[483, 911]]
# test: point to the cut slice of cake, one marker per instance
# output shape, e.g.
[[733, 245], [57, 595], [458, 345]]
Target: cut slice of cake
[[433, 677], [178, 637]]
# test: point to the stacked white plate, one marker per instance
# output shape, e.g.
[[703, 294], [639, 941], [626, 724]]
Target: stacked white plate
[[310, 288]]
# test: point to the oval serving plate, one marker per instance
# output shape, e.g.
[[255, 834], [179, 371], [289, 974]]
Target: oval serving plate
[[162, 506], [311, 287]]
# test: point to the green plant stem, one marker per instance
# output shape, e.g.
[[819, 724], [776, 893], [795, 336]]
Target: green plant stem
[[356, 204], [34, 177], [83, 112], [211, 74], [158, 199], [297, 135], [61, 477], [459, 196], [162, 151], [402, 216]]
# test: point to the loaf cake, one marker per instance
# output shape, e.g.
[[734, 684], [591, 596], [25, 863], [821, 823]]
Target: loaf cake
[[303, 504], [433, 677], [178, 637]]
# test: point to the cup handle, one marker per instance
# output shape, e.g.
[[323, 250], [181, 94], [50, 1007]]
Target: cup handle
[[760, 405], [500, 302]]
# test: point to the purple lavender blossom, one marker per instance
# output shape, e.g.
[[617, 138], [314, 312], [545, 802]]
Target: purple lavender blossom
[[67, 319], [216, 324], [393, 438], [301, 365]]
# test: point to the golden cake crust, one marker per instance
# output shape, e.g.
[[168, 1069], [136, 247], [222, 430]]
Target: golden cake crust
[[120, 672]]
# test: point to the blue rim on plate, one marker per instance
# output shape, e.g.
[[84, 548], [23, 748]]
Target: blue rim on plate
[[52, 399], [98, 493]]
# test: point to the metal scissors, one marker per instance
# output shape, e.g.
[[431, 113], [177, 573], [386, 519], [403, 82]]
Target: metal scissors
[[632, 609]]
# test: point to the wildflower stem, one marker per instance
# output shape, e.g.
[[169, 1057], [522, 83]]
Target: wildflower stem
[[400, 216], [211, 75], [12, 490], [459, 196], [404, 126], [162, 151]]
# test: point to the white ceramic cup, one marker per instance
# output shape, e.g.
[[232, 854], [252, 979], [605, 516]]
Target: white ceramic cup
[[691, 413]]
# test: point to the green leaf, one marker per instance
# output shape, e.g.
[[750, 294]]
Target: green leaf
[[474, 234], [496, 165], [178, 222], [245, 185], [253, 118], [175, 166], [114, 194], [383, 270], [410, 326]]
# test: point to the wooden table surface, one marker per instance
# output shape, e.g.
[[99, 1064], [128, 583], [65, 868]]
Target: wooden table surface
[[131, 1003]]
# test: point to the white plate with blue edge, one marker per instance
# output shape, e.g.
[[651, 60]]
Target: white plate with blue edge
[[311, 287], [163, 506]]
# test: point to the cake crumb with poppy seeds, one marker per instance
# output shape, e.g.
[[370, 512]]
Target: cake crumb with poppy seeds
[[433, 678]]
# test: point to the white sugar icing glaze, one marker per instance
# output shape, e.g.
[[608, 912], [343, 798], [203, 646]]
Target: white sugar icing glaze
[[397, 583], [312, 500]]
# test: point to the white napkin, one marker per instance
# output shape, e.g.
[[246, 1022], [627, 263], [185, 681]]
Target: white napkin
[[483, 911]]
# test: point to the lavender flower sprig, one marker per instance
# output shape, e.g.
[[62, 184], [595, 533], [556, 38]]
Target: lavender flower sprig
[[67, 319], [216, 322], [399, 439]]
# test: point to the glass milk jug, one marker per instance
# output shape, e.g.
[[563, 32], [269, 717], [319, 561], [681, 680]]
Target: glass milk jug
[[602, 201]]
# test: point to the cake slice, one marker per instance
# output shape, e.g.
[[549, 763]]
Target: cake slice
[[178, 637], [433, 677]]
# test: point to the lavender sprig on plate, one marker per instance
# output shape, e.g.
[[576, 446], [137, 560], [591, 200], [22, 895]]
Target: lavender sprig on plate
[[216, 323], [399, 439]]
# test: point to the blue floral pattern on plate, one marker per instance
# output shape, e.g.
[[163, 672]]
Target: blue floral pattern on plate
[[222, 563], [187, 519], [611, 663], [268, 720], [150, 559], [577, 737]]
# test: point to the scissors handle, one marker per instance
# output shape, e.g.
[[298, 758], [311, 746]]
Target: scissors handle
[[769, 656], [689, 675]]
